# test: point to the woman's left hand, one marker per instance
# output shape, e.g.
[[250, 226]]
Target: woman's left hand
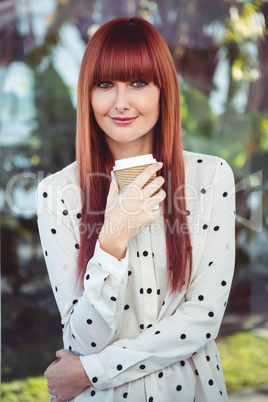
[[66, 377]]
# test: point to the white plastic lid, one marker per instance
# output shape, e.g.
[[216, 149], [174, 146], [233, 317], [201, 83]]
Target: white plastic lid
[[135, 161]]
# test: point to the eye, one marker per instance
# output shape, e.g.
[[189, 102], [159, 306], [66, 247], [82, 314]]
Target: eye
[[139, 84], [104, 84]]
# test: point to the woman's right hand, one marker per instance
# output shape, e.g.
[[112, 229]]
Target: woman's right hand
[[128, 213]]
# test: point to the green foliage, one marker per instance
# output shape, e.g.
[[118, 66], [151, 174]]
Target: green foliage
[[245, 361], [29, 390]]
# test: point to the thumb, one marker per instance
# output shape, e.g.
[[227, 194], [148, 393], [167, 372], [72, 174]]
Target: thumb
[[61, 353]]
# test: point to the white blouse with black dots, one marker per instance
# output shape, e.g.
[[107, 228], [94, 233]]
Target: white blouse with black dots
[[136, 340]]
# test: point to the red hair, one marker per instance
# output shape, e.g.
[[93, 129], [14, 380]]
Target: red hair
[[128, 50]]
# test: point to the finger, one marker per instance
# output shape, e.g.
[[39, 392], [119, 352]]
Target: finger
[[142, 179], [151, 202], [60, 353], [55, 361], [153, 187]]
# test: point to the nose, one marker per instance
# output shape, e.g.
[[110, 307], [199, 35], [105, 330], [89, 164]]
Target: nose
[[122, 99]]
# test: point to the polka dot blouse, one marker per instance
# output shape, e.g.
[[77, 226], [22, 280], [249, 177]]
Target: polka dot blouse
[[136, 340]]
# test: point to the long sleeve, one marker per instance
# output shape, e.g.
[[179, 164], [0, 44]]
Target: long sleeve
[[89, 318], [197, 320]]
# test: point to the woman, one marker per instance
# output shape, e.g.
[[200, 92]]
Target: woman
[[141, 291]]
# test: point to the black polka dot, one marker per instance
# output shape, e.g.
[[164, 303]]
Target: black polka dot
[[145, 253], [223, 283], [179, 388], [56, 288], [105, 278], [141, 291], [62, 326], [129, 273], [126, 307], [153, 255], [93, 344], [142, 326], [182, 363], [45, 195], [203, 191], [211, 382], [87, 277], [149, 326], [149, 290], [70, 348], [199, 160], [188, 213], [72, 311], [77, 246], [73, 336], [218, 367], [216, 228], [138, 254], [75, 301], [62, 201], [208, 335], [46, 254], [92, 393], [89, 321], [196, 372], [79, 215], [95, 379], [151, 399], [183, 336], [53, 231], [225, 194], [205, 226], [221, 392], [163, 303], [211, 314], [208, 358], [225, 304], [157, 332], [119, 367], [99, 264], [158, 291], [113, 298], [210, 263], [119, 259], [65, 212], [125, 395], [201, 297], [160, 375], [142, 366]]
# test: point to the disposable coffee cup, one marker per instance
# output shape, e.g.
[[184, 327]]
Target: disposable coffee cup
[[126, 170]]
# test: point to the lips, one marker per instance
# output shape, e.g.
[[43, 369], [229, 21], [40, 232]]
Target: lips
[[123, 121]]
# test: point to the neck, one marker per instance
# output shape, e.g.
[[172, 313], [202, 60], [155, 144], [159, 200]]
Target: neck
[[128, 150]]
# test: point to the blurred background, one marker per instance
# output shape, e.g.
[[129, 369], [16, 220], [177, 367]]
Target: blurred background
[[220, 50]]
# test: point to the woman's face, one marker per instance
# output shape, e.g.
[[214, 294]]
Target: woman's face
[[126, 111]]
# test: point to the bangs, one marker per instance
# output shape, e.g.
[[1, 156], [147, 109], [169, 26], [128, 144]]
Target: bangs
[[126, 56]]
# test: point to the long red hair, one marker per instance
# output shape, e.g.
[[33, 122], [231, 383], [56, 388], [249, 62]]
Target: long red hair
[[128, 50]]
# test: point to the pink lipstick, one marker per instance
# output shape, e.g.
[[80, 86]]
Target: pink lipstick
[[123, 121]]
